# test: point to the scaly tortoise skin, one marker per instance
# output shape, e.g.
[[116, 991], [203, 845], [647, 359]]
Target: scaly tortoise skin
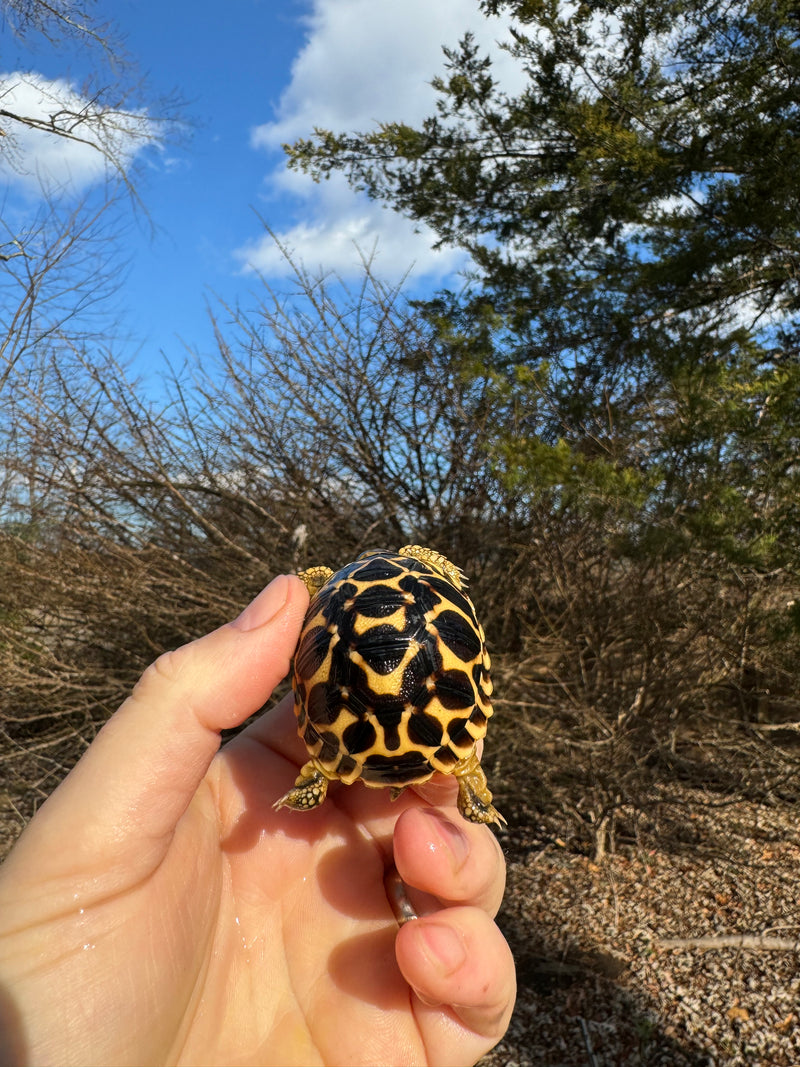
[[391, 680]]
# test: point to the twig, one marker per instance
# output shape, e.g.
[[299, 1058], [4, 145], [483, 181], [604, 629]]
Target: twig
[[587, 1041], [752, 942]]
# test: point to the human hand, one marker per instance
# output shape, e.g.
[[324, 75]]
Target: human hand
[[157, 909]]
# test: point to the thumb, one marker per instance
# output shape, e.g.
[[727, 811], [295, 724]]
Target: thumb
[[140, 773]]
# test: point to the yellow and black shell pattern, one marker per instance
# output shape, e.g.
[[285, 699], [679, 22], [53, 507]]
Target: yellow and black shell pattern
[[391, 674]]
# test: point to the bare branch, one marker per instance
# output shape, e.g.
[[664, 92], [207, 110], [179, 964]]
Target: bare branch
[[746, 942]]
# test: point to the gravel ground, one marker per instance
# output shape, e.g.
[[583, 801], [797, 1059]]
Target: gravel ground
[[598, 988]]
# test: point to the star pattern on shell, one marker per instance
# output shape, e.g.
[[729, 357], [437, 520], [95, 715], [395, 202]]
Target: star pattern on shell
[[392, 679]]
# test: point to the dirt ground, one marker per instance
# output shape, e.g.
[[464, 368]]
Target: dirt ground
[[598, 986]]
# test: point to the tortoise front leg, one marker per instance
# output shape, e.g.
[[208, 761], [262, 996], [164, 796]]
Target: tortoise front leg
[[436, 560], [314, 578]]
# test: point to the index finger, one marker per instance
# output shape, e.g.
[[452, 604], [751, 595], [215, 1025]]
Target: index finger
[[439, 853]]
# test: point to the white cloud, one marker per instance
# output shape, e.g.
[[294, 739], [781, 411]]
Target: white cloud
[[364, 62], [34, 159], [341, 232]]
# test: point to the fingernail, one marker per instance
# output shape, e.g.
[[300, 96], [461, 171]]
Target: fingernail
[[441, 945], [446, 833], [265, 606]]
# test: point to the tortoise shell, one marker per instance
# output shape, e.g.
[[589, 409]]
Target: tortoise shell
[[391, 678]]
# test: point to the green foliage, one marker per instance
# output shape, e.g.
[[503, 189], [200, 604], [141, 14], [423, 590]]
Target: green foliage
[[632, 217]]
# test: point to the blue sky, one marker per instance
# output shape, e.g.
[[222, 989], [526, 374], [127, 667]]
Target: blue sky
[[252, 74]]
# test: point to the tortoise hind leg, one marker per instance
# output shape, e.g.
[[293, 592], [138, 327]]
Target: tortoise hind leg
[[474, 797], [308, 791]]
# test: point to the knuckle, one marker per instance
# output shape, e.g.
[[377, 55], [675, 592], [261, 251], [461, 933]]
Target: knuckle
[[163, 672]]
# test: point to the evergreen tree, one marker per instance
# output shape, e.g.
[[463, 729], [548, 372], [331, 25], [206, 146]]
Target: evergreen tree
[[633, 217]]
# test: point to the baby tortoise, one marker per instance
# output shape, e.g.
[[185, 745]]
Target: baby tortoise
[[391, 680]]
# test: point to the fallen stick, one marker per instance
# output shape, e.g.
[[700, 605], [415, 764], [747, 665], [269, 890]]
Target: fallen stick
[[751, 942]]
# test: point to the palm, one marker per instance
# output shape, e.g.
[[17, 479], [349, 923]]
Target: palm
[[158, 910], [300, 895]]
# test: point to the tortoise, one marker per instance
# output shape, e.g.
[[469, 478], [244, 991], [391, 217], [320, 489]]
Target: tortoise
[[391, 680]]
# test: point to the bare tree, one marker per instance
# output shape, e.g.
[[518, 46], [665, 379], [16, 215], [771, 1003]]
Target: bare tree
[[106, 115], [339, 400], [328, 422], [56, 278], [142, 518], [56, 20]]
